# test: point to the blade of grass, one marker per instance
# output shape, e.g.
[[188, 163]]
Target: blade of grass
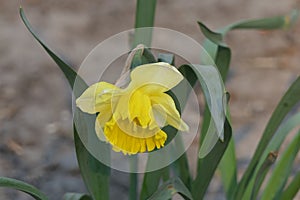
[[22, 186], [282, 170]]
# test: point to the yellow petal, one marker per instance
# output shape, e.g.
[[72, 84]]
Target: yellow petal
[[165, 104], [94, 98], [99, 130], [158, 76], [150, 144], [140, 109]]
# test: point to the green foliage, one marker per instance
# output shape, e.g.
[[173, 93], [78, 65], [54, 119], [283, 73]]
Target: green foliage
[[22, 186]]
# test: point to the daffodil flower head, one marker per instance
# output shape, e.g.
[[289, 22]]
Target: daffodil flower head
[[131, 118]]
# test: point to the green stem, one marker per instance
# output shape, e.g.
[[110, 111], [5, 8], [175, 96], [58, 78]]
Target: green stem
[[133, 178], [144, 17]]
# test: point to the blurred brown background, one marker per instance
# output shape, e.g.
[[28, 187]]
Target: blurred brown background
[[36, 142]]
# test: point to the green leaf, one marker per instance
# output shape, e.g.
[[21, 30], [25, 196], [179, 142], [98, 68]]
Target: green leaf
[[94, 173], [277, 22], [228, 165], [288, 101], [22, 186], [274, 146], [222, 60], [76, 196], [209, 163], [144, 17], [292, 189], [69, 73], [169, 189], [200, 184], [282, 170], [214, 92], [215, 37]]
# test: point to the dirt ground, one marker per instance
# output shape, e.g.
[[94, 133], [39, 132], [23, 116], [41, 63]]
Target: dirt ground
[[35, 111]]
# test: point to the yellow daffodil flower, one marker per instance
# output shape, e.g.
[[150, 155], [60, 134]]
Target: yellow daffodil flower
[[132, 118]]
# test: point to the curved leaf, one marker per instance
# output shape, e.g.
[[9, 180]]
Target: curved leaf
[[278, 22], [214, 92], [69, 73], [22, 186]]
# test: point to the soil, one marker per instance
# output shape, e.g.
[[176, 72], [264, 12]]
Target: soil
[[36, 143]]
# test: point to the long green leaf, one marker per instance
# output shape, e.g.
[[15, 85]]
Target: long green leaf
[[282, 170], [216, 48], [97, 181], [292, 189], [22, 186], [69, 73], [169, 189], [76, 196], [288, 101], [213, 96]]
